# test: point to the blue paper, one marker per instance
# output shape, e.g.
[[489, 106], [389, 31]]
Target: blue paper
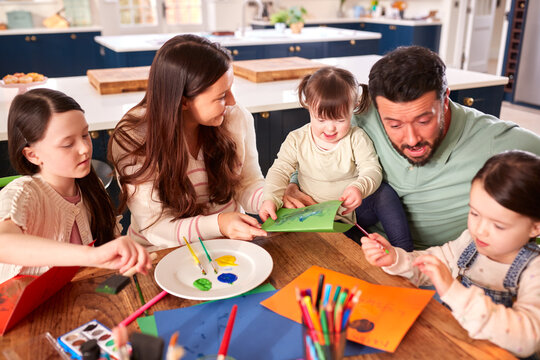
[[258, 333]]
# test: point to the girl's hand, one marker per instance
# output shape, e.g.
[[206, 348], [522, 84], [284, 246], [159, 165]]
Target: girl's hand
[[121, 254], [268, 208], [378, 250], [234, 225], [436, 270], [352, 198], [295, 199]]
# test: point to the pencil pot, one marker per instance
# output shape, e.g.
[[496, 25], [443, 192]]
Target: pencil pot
[[328, 345]]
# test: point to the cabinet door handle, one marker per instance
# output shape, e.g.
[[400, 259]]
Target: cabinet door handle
[[291, 48], [73, 36], [27, 38], [33, 38], [392, 27], [298, 48], [94, 134], [353, 42], [235, 52], [265, 115], [362, 25], [468, 101]]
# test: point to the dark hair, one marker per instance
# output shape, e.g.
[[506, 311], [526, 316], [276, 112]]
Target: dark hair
[[28, 119], [184, 67], [407, 73], [512, 178], [331, 92]]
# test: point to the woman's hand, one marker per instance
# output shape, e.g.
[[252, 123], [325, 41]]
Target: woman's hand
[[121, 254], [234, 225], [378, 250], [352, 198], [436, 270], [268, 208], [294, 198]]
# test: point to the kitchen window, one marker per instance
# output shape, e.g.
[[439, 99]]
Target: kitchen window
[[170, 15]]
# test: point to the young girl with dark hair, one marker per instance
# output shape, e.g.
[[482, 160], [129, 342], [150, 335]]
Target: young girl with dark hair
[[335, 161], [489, 276], [60, 197], [186, 156]]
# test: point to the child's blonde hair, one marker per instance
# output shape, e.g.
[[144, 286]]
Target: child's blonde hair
[[330, 93]]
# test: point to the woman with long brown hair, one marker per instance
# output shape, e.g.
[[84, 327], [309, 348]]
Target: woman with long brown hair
[[185, 155]]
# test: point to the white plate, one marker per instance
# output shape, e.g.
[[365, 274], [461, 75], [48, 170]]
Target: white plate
[[177, 271], [23, 86]]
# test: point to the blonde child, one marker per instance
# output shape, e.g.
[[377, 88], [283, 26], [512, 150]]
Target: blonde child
[[334, 160], [60, 203], [489, 276]]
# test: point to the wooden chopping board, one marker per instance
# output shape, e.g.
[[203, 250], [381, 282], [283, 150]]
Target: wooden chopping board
[[275, 69], [118, 80]]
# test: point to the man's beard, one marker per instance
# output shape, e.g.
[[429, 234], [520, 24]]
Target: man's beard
[[432, 148]]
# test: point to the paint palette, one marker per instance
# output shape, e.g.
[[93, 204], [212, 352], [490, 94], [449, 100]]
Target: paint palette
[[241, 266], [73, 340]]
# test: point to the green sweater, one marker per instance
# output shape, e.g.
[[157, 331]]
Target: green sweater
[[436, 196]]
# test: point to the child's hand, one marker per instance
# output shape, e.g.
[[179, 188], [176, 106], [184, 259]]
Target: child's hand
[[268, 208], [378, 250], [438, 272], [122, 254], [235, 225], [352, 198]]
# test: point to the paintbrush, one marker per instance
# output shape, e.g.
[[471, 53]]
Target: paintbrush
[[367, 235], [195, 258], [208, 256]]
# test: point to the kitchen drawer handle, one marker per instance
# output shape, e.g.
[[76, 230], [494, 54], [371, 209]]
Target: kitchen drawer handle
[[468, 101], [32, 38], [265, 115], [94, 134], [73, 36], [110, 132], [362, 25], [353, 42], [27, 38], [392, 27], [298, 48], [235, 52], [291, 48]]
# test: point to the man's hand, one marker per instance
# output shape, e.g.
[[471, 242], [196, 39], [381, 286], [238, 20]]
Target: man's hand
[[294, 198]]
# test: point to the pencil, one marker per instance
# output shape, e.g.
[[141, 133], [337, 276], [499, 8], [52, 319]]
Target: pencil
[[195, 258], [222, 353], [208, 256], [140, 310], [141, 297], [366, 233]]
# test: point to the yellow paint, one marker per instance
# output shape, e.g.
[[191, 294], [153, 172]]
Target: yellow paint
[[226, 260]]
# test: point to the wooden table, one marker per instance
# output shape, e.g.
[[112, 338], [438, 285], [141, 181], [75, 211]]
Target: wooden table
[[435, 334]]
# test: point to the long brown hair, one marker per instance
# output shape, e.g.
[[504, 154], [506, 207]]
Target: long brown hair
[[28, 119], [331, 92], [512, 178], [184, 67]]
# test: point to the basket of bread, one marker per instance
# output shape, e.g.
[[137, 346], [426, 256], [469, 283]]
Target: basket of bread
[[23, 81]]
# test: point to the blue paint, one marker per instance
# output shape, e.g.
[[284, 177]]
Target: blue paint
[[227, 278]]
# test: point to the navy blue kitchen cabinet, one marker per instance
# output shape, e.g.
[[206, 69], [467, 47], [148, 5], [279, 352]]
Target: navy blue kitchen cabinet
[[404, 35], [352, 47], [305, 50], [53, 55], [486, 99]]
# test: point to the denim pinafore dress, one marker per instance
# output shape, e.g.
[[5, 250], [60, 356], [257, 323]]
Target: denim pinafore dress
[[511, 280]]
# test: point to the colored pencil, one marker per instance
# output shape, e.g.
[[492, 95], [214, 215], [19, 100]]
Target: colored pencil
[[141, 297], [319, 292], [327, 290], [208, 256], [222, 353], [140, 310], [336, 294], [366, 233], [195, 258]]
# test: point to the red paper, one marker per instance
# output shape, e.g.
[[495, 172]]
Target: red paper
[[22, 294], [387, 311]]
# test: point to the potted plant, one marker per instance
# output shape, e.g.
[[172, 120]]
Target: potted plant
[[280, 20], [296, 18]]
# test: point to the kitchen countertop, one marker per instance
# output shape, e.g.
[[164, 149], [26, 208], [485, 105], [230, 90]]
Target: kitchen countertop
[[379, 20], [43, 30], [104, 111], [152, 42]]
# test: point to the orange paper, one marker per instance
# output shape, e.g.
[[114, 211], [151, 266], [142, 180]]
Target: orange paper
[[389, 311]]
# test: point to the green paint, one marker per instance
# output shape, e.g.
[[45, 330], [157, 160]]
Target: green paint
[[110, 342], [203, 284]]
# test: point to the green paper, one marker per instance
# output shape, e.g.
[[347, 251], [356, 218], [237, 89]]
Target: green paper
[[147, 324], [313, 218]]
